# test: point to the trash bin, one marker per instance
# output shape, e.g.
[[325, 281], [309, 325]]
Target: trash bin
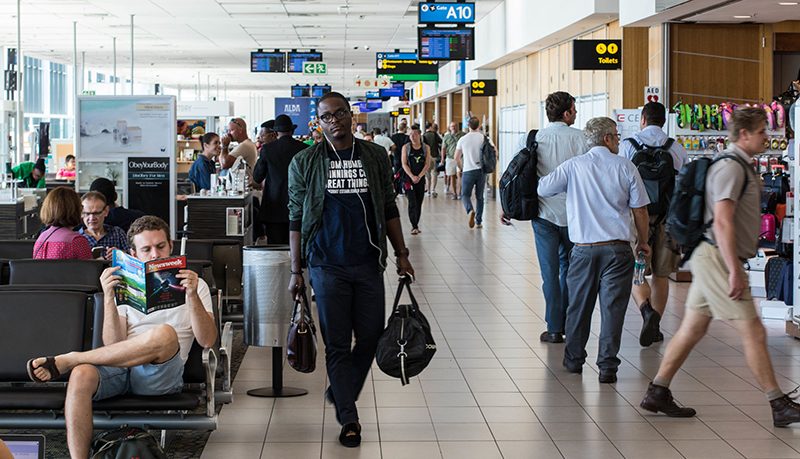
[[268, 308], [267, 303]]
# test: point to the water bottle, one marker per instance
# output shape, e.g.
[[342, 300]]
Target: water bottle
[[638, 269]]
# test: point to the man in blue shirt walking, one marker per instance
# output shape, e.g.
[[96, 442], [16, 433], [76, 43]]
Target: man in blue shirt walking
[[601, 188]]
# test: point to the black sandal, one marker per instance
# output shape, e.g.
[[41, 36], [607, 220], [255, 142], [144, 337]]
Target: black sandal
[[351, 435], [49, 365]]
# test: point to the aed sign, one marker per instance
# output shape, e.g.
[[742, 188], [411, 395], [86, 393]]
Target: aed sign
[[652, 94], [482, 88], [596, 54], [446, 13]]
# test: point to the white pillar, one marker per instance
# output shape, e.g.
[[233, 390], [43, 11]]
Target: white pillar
[[20, 65], [114, 77], [132, 59], [76, 129]]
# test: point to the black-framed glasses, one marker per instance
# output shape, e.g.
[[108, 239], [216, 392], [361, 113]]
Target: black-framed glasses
[[338, 114], [93, 214]]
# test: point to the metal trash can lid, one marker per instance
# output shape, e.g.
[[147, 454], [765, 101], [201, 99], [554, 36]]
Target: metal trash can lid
[[267, 248]]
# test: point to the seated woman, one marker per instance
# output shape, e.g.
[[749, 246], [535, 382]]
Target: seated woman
[[68, 171], [61, 212], [204, 166]]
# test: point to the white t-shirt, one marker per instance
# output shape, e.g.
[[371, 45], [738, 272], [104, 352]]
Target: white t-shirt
[[177, 317], [385, 142], [247, 150], [470, 146]]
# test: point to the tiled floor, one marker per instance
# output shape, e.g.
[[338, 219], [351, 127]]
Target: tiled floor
[[494, 391]]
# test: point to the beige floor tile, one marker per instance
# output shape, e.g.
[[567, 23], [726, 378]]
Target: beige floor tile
[[687, 430], [580, 449], [231, 450], [629, 431], [739, 430], [235, 416], [705, 449], [573, 431], [543, 449], [367, 450], [456, 414], [470, 450], [399, 399], [294, 433], [242, 433], [500, 399], [297, 415], [766, 449], [369, 432], [562, 414], [462, 432], [407, 432], [275, 450], [410, 450], [646, 449], [518, 431], [403, 415], [464, 399]]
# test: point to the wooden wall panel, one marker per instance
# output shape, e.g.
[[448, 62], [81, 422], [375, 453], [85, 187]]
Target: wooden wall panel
[[552, 76], [442, 120], [635, 53], [458, 107], [564, 66], [726, 49], [430, 112], [655, 65]]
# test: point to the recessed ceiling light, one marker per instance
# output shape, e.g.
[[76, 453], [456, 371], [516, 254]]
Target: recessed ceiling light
[[787, 3], [742, 17]]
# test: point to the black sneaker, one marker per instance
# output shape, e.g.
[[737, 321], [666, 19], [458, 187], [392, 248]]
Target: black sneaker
[[659, 399], [571, 367], [351, 435], [547, 337], [650, 325], [608, 377], [784, 411]]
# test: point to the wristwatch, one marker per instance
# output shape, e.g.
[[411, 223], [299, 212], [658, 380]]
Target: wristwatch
[[402, 252]]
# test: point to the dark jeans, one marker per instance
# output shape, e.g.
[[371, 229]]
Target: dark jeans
[[350, 300], [469, 180], [415, 197], [552, 248], [608, 271], [277, 233]]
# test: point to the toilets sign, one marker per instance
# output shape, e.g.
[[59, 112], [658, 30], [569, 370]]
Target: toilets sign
[[596, 54]]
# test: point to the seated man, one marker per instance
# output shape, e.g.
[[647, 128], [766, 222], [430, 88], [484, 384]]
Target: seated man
[[30, 173], [143, 354], [95, 230]]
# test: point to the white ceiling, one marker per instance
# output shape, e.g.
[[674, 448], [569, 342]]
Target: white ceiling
[[176, 39], [761, 11]]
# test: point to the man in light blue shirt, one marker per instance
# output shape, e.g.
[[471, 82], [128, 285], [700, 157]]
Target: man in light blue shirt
[[558, 142], [664, 259], [601, 188]]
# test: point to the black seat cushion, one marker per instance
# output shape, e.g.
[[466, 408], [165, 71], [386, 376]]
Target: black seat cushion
[[74, 272], [35, 398], [16, 249]]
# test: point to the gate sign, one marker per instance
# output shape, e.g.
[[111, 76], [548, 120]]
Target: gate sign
[[652, 94], [446, 13]]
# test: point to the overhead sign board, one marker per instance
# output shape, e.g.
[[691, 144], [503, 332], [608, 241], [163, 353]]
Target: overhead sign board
[[372, 83], [271, 62], [405, 110], [596, 54], [446, 13], [446, 43], [406, 67], [394, 114], [482, 88], [315, 68]]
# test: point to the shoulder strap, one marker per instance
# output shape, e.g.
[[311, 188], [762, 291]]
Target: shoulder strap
[[531, 140], [405, 282], [668, 144], [635, 144], [744, 165]]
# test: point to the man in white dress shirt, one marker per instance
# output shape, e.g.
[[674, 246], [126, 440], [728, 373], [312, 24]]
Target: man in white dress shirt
[[601, 188]]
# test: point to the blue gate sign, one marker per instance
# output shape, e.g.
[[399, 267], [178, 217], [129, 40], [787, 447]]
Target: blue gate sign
[[446, 13]]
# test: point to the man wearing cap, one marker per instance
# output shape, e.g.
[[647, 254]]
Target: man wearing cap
[[30, 173], [117, 215], [273, 165]]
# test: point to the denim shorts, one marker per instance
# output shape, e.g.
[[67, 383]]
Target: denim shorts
[[148, 379]]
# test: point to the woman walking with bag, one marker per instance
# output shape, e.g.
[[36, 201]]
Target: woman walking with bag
[[416, 162]]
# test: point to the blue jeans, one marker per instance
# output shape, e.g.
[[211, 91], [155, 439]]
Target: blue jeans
[[552, 248], [469, 180], [350, 301]]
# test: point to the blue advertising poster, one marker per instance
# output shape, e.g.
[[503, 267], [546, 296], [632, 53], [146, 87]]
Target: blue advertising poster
[[446, 13], [301, 110], [461, 73]]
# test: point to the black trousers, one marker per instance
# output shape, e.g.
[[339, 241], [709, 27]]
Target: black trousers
[[277, 233], [415, 196]]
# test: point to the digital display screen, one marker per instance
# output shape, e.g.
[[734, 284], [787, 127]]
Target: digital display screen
[[373, 95], [406, 67], [446, 13], [301, 90], [397, 90], [295, 60], [319, 90], [271, 62], [447, 44]]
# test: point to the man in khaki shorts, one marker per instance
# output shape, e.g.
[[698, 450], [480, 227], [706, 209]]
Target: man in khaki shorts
[[651, 297], [719, 284]]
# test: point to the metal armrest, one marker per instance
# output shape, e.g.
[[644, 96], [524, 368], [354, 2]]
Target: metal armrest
[[225, 350], [210, 366]]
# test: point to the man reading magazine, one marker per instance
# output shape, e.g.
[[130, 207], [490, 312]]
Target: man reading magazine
[[143, 354]]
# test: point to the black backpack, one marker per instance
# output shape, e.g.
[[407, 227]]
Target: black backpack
[[125, 443], [488, 156], [657, 170], [686, 223], [519, 183], [406, 346]]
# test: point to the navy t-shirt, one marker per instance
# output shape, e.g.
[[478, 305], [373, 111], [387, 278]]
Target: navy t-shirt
[[343, 239]]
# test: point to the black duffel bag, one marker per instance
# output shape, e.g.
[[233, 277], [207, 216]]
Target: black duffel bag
[[126, 442], [406, 346]]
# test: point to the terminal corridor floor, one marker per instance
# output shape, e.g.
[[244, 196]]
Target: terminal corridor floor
[[493, 390]]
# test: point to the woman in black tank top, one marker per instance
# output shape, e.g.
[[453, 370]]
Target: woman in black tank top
[[416, 161]]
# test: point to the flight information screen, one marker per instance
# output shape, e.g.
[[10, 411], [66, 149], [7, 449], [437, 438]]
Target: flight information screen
[[446, 44], [272, 62], [295, 60]]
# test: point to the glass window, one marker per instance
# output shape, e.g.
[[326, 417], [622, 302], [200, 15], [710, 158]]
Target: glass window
[[32, 86], [58, 89]]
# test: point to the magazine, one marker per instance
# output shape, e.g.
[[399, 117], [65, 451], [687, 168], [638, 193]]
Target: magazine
[[149, 286]]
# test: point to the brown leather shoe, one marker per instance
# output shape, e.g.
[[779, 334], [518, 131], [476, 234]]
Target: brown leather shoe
[[784, 411], [659, 399]]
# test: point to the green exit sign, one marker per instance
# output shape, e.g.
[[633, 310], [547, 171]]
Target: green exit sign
[[315, 68]]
